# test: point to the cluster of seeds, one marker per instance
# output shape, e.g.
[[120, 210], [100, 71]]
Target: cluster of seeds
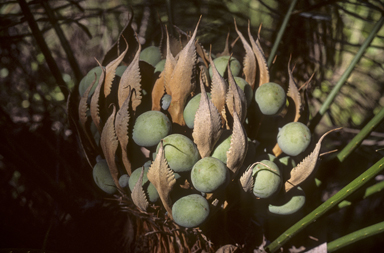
[[176, 127]]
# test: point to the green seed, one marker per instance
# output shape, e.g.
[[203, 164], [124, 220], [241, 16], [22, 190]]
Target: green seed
[[293, 138], [190, 211], [209, 174], [271, 98]]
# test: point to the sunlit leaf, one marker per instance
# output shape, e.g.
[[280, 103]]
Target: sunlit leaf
[[207, 125], [306, 166], [226, 48], [110, 71], [157, 93], [235, 98], [249, 63], [229, 248], [119, 46], [131, 77], [162, 177], [72, 111], [109, 145], [96, 100], [260, 57], [219, 88], [239, 145], [277, 150], [182, 82], [246, 180], [293, 92], [121, 127], [82, 112], [138, 194], [169, 66]]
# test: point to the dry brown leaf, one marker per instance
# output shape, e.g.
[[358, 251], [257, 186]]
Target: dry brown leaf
[[157, 93], [82, 112], [219, 88], [122, 126], [169, 65], [235, 98], [182, 82], [202, 53], [95, 101], [72, 112], [110, 71], [293, 92], [162, 177], [229, 248], [138, 194], [249, 63], [119, 45], [226, 48], [207, 125], [109, 145], [306, 166], [239, 145], [277, 150], [246, 180], [260, 57], [131, 77]]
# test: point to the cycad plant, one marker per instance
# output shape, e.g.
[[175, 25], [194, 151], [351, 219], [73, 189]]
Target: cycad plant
[[195, 143]]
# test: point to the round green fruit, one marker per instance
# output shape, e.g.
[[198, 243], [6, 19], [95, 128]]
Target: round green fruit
[[151, 55], [120, 70], [244, 85], [180, 152], [221, 64], [190, 211], [149, 188], [267, 181], [293, 138], [295, 200], [166, 101], [88, 80], [102, 177], [221, 149], [209, 174], [191, 109], [123, 181], [150, 127], [271, 98], [160, 66]]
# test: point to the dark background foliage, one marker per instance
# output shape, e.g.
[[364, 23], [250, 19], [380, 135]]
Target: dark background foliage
[[48, 198]]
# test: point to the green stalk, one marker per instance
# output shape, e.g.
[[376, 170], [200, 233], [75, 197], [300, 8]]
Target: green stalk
[[38, 35], [378, 187], [355, 236], [280, 33], [170, 16], [328, 101], [327, 205], [63, 40], [356, 141]]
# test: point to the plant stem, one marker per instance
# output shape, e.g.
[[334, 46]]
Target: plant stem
[[378, 187], [280, 33], [64, 42], [328, 101], [170, 16], [44, 47], [327, 205], [355, 236], [356, 141]]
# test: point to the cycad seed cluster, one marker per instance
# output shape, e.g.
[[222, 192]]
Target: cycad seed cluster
[[181, 134]]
